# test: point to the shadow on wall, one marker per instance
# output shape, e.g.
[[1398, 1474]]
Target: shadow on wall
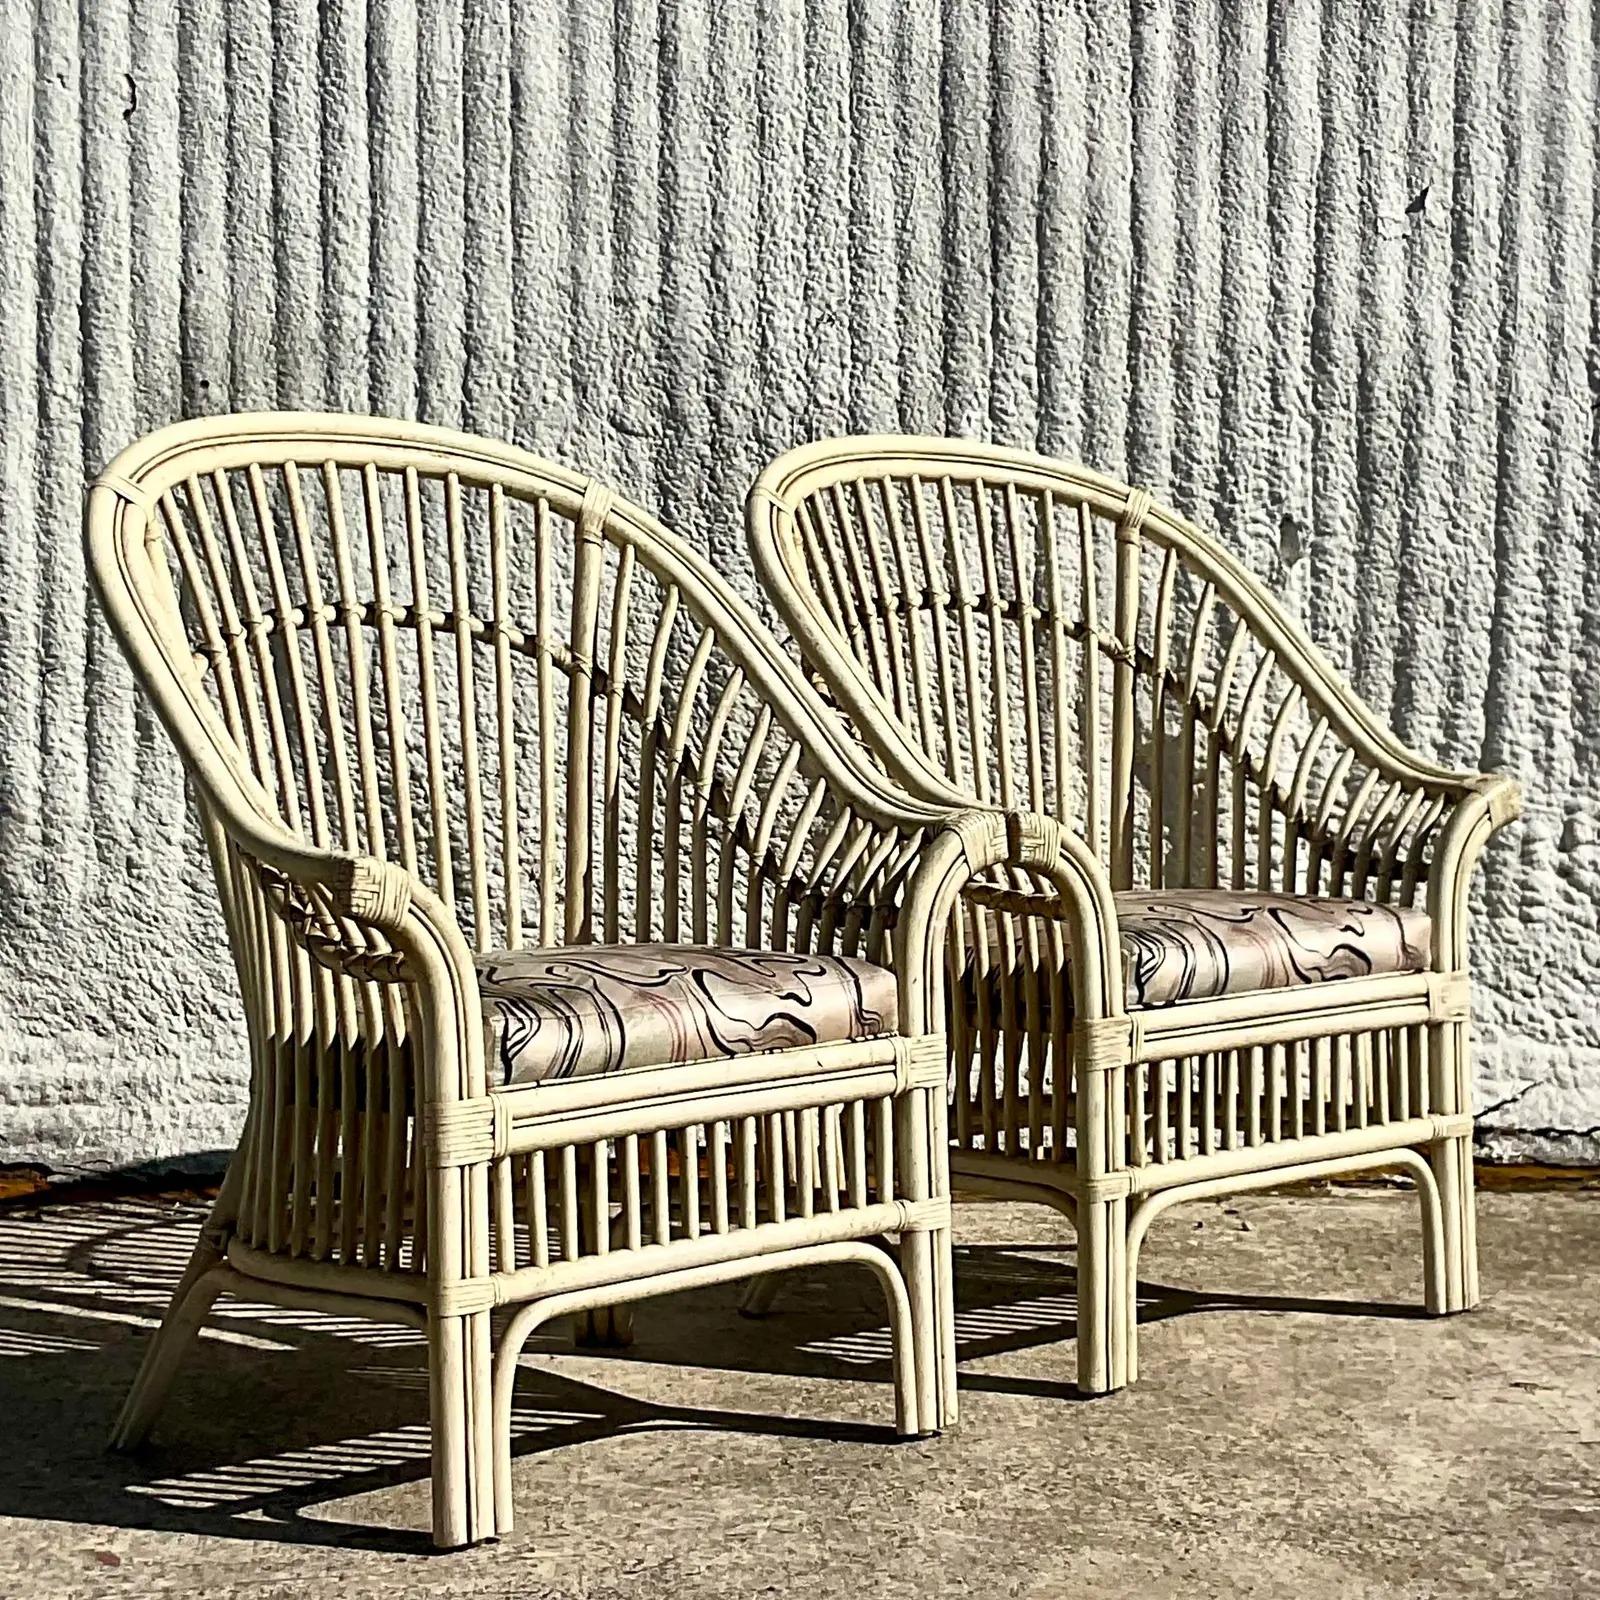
[[281, 1411]]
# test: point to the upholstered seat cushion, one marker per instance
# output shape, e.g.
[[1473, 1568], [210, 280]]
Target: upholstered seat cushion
[[1200, 943], [1197, 944], [563, 1013]]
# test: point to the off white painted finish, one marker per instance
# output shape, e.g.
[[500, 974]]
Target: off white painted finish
[[434, 696], [1170, 239], [1045, 639]]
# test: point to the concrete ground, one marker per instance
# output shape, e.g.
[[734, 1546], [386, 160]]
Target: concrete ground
[[1299, 1429]]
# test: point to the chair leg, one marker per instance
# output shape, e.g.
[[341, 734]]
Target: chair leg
[[944, 1270], [759, 1296], [186, 1311], [1104, 1334], [915, 1124], [917, 1269], [606, 1327], [461, 1402], [165, 1352], [1452, 1163]]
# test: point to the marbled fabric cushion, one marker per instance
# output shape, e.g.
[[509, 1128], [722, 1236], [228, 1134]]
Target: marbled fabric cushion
[[1199, 943], [1196, 944], [603, 1008]]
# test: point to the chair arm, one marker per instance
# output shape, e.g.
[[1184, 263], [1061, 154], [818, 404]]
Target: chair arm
[[1484, 805], [1463, 809], [375, 921], [977, 840]]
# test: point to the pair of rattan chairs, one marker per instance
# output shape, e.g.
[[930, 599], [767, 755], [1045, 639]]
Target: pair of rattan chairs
[[595, 945]]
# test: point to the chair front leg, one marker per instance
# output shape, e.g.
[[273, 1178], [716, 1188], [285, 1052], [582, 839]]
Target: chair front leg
[[460, 1389], [1452, 1161], [461, 1358], [919, 1264], [1105, 1336], [1106, 1329]]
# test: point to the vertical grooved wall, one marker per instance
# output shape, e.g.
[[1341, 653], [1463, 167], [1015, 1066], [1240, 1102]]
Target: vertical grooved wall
[[1325, 276]]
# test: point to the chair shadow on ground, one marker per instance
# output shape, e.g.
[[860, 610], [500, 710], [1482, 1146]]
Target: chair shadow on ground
[[251, 1444]]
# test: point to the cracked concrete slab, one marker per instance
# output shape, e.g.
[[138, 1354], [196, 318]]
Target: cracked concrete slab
[[1300, 1428]]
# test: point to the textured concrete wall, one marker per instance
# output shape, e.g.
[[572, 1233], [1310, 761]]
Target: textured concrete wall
[[1324, 275]]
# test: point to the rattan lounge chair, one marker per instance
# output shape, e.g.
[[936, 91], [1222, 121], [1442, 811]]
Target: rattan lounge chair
[[1228, 947], [581, 961]]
